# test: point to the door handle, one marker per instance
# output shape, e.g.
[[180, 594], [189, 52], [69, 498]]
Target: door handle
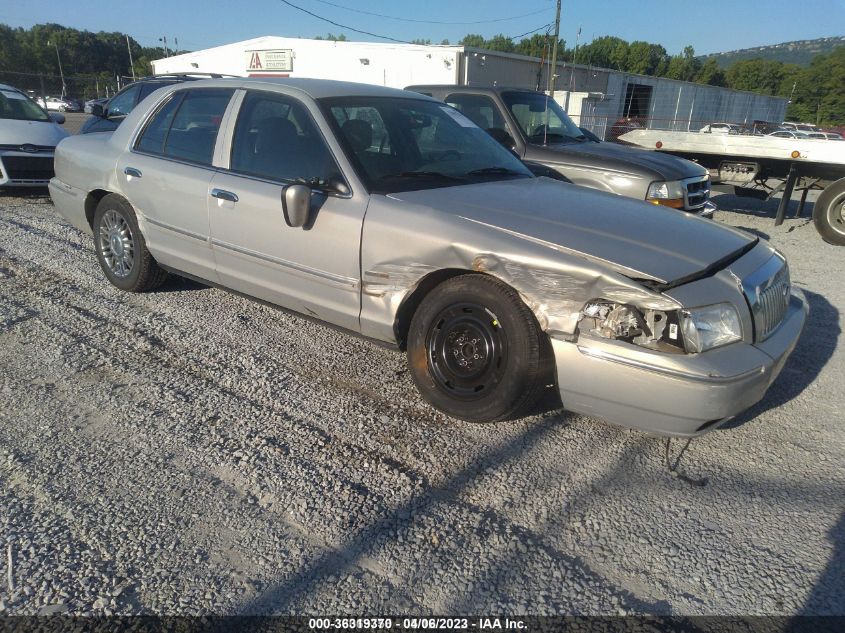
[[222, 194], [131, 171]]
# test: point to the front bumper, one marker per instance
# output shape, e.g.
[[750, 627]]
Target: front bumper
[[681, 395], [706, 211], [25, 169]]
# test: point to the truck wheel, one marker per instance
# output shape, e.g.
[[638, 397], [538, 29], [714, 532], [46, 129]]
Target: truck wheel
[[121, 249], [829, 213], [476, 351]]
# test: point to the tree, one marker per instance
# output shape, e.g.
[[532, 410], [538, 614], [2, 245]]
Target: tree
[[711, 74], [645, 58], [500, 43], [600, 52], [756, 75], [331, 37], [473, 40], [534, 46], [684, 66]]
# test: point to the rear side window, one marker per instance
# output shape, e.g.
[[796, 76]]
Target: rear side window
[[153, 137], [186, 126], [122, 103], [151, 87]]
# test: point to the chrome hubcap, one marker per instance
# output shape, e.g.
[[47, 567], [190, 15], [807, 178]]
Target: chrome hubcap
[[836, 214], [117, 244]]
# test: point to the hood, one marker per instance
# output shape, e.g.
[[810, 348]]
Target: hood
[[617, 157], [46, 133], [638, 239]]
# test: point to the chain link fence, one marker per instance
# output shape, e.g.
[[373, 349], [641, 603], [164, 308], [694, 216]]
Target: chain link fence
[[80, 88]]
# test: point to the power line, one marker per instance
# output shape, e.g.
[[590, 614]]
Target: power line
[[392, 17], [343, 26], [384, 37], [545, 26]]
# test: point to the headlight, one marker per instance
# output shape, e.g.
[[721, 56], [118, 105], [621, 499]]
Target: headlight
[[670, 194], [710, 326], [654, 329]]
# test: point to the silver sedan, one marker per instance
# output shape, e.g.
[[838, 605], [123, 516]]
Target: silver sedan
[[394, 216]]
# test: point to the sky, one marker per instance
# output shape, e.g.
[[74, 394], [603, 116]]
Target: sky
[[710, 27]]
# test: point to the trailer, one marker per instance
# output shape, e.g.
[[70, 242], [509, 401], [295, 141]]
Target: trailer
[[763, 166]]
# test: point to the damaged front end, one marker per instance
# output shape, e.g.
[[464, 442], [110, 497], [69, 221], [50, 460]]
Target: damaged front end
[[675, 331]]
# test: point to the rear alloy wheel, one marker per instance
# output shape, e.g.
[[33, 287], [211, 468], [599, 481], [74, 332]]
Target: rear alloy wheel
[[121, 249], [475, 350], [829, 213]]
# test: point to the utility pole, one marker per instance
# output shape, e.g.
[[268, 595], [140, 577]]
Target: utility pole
[[554, 52], [61, 73], [131, 63], [164, 39]]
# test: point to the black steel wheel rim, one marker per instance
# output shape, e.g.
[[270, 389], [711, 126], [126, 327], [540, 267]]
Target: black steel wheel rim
[[467, 351]]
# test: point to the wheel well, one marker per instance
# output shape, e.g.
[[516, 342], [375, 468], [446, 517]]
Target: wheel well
[[402, 322], [91, 203]]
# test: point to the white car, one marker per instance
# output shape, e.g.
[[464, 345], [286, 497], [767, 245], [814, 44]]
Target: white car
[[799, 127], [56, 104], [28, 138], [789, 134], [720, 128]]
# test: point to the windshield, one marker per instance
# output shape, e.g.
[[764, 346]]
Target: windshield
[[16, 105], [541, 118], [399, 144]]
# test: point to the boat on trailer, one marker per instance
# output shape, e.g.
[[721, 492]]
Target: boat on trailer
[[749, 163]]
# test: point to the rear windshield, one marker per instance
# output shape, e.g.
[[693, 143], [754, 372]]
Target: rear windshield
[[16, 105]]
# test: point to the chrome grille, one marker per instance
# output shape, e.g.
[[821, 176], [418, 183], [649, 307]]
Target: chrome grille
[[768, 297], [696, 192]]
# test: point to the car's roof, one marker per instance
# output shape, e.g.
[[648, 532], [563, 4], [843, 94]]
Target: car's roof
[[316, 88], [457, 88], [8, 87]]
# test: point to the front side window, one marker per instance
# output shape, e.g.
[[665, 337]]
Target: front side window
[[541, 119], [275, 138], [16, 105], [402, 144], [479, 109], [186, 126]]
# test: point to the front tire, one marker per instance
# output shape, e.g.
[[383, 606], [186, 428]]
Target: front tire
[[121, 249], [829, 213], [475, 350]]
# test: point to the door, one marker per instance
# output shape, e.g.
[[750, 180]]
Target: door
[[314, 270], [167, 175]]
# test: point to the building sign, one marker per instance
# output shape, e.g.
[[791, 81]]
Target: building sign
[[274, 61]]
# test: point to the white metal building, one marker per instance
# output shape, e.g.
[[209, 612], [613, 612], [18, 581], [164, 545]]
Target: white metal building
[[594, 97]]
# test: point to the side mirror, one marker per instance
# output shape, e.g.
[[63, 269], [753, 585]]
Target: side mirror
[[296, 204], [338, 186], [502, 137], [57, 118], [98, 110]]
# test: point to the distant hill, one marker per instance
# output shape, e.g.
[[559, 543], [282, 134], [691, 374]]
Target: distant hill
[[799, 52]]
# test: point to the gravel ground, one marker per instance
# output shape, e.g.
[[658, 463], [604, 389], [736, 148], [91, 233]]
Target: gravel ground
[[189, 452]]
